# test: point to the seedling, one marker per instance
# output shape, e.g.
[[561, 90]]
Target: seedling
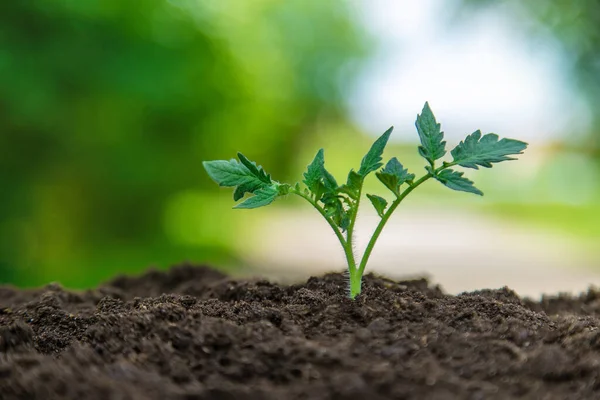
[[338, 204]]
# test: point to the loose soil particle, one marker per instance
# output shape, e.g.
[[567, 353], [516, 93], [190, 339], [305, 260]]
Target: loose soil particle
[[192, 333]]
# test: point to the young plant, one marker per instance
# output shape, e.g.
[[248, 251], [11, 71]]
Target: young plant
[[338, 203]]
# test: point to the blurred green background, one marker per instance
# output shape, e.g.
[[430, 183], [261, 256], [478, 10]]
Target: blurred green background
[[108, 107]]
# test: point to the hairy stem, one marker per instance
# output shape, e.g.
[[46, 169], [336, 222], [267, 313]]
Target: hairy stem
[[354, 274], [350, 230]]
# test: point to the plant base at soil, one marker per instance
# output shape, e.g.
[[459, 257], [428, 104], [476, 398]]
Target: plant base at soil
[[192, 333]]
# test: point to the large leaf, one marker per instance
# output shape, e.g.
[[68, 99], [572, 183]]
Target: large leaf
[[379, 203], [455, 180], [244, 175], [394, 175], [233, 173], [372, 160], [432, 146], [262, 197], [477, 150]]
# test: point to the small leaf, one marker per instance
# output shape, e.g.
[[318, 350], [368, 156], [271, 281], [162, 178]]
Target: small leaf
[[334, 209], [329, 181], [455, 180], [372, 160], [262, 197], [283, 189], [354, 180], [379, 203], [249, 187], [477, 150], [344, 222], [353, 185], [394, 175], [318, 190], [313, 174], [432, 145]]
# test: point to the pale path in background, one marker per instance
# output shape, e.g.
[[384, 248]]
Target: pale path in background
[[458, 250]]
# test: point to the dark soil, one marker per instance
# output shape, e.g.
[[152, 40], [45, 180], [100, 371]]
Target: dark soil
[[192, 333]]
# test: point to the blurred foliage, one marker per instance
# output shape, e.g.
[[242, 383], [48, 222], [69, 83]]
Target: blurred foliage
[[576, 26], [570, 207], [108, 107]]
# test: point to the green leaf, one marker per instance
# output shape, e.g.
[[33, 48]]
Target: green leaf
[[254, 169], [344, 222], [328, 180], [232, 173], [394, 175], [317, 178], [262, 197], [432, 145], [379, 203], [313, 175], [372, 160], [246, 176], [249, 187], [353, 185], [455, 180], [477, 150], [335, 210]]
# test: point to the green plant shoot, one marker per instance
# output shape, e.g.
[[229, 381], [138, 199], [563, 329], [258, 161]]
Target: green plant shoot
[[338, 203]]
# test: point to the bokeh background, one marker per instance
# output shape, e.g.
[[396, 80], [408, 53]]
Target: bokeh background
[[107, 109]]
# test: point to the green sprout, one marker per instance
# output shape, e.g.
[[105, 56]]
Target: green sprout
[[338, 204]]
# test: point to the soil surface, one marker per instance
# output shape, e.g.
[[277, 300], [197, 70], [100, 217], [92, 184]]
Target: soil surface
[[192, 333]]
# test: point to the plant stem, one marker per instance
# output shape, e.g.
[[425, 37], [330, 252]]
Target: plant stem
[[345, 245], [384, 219], [350, 231], [354, 274]]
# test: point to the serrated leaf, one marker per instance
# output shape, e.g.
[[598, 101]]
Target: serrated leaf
[[455, 180], [328, 180], [262, 197], [483, 151], [334, 209], [317, 178], [433, 146], [255, 169], [379, 203], [393, 175], [313, 174], [249, 187], [372, 160], [354, 180], [232, 173], [245, 176], [353, 185]]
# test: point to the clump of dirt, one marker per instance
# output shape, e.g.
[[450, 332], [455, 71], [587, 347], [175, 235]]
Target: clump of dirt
[[193, 333]]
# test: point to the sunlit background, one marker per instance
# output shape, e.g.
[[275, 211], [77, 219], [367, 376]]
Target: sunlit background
[[107, 109]]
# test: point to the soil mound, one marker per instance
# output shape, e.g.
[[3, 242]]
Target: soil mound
[[193, 333]]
